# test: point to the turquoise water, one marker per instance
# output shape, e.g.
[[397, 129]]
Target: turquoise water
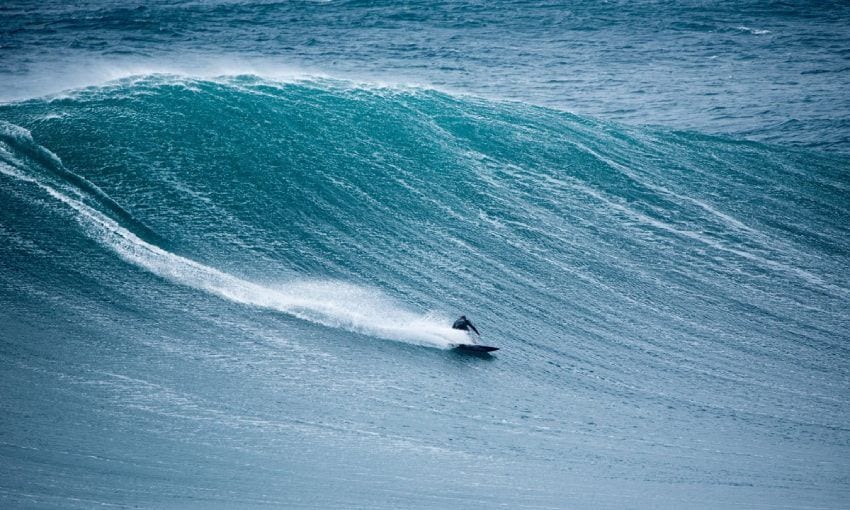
[[234, 288]]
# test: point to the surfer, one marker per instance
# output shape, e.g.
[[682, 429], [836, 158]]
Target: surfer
[[464, 324], [473, 347]]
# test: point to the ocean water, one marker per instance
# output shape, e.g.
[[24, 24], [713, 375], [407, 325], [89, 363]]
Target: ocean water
[[234, 236]]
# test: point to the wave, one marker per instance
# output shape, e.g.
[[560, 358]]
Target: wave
[[182, 261], [438, 201]]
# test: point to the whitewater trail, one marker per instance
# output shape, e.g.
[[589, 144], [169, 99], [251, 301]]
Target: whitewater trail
[[330, 303]]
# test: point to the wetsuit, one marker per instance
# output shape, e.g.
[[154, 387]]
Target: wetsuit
[[464, 324]]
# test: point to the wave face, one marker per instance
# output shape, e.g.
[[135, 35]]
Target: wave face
[[237, 292]]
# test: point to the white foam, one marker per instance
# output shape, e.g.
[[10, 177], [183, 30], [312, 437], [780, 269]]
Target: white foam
[[330, 303], [754, 31], [91, 71]]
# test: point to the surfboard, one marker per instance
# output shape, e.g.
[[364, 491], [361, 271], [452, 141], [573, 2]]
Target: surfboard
[[475, 348]]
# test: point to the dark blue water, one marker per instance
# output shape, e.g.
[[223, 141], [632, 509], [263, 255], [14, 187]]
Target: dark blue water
[[233, 237]]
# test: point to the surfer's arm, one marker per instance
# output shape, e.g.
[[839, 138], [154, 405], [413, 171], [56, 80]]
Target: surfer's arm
[[473, 329]]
